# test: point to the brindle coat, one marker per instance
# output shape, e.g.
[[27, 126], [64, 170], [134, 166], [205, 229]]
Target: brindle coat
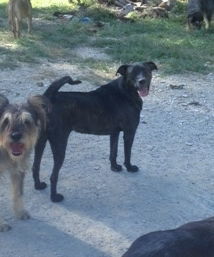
[[108, 110]]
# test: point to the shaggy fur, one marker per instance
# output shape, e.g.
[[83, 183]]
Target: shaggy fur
[[108, 110], [18, 10], [19, 129], [194, 239], [199, 11]]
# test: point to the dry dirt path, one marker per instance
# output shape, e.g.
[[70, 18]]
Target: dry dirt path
[[103, 212]]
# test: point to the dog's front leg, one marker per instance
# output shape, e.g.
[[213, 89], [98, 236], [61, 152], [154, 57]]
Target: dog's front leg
[[128, 141], [17, 179], [113, 151], [39, 149], [58, 144]]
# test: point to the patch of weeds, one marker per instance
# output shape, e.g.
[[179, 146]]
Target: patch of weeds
[[100, 13], [164, 41], [180, 7], [3, 10], [100, 65], [7, 60]]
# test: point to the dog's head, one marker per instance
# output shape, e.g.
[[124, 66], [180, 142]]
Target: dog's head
[[195, 20], [20, 125], [138, 76]]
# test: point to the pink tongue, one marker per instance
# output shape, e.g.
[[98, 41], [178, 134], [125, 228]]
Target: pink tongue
[[17, 148], [143, 92]]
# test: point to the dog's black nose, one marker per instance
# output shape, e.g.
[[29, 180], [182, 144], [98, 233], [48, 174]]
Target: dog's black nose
[[16, 136]]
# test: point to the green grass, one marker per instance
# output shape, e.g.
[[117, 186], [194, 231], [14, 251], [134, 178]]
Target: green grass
[[164, 41]]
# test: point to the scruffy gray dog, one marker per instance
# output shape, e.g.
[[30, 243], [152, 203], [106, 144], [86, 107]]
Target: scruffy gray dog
[[19, 129]]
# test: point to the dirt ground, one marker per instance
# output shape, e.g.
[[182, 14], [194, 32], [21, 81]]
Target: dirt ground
[[103, 211]]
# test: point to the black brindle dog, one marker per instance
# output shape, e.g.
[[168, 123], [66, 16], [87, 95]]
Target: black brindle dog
[[108, 110], [194, 239]]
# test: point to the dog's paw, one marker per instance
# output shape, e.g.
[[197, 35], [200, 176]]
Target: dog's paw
[[116, 168], [23, 215], [132, 168], [57, 198], [4, 227], [40, 186]]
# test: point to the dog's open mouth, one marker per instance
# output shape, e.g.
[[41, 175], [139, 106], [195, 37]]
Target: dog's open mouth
[[143, 92], [17, 148]]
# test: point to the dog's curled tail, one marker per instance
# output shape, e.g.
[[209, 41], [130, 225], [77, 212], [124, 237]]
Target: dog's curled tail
[[57, 84]]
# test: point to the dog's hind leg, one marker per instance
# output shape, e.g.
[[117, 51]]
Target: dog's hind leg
[[17, 179], [114, 137], [17, 27], [39, 149], [58, 145], [128, 141], [207, 19], [29, 23]]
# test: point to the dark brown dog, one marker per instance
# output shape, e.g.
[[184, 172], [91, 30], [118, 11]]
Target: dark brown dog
[[108, 110], [20, 126], [194, 239]]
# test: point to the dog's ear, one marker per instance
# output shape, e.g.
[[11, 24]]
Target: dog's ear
[[41, 106], [152, 66], [3, 103], [122, 69]]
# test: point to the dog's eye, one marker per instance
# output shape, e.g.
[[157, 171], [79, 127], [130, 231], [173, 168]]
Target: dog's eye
[[27, 123]]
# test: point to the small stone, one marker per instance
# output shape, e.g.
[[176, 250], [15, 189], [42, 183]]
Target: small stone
[[40, 84], [184, 96], [172, 86], [195, 103], [150, 147], [85, 20], [189, 143], [67, 16], [184, 104]]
